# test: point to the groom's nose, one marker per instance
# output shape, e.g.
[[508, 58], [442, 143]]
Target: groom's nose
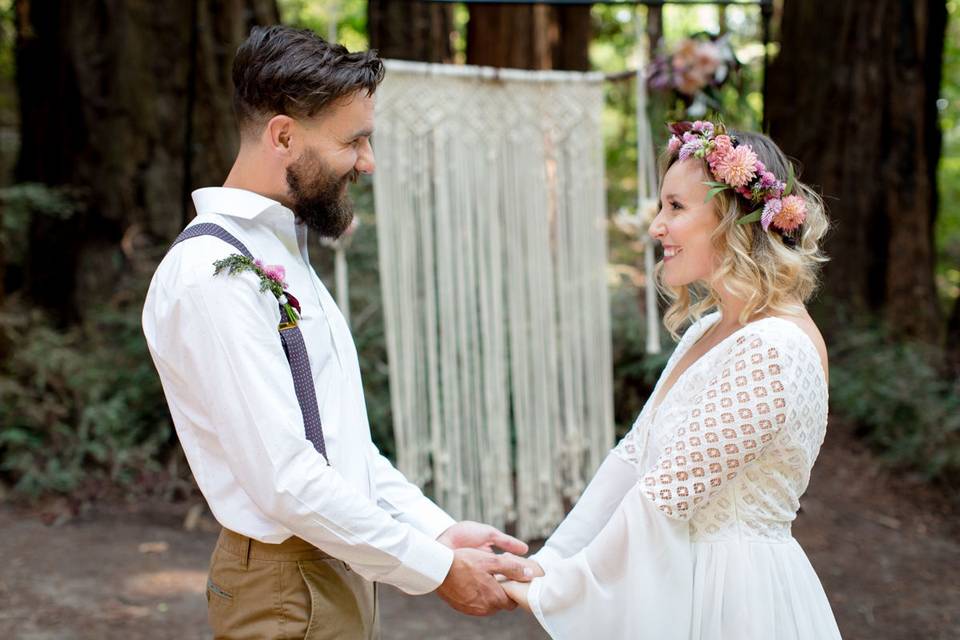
[[365, 162]]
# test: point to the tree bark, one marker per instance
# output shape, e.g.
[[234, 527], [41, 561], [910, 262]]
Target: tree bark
[[412, 30], [654, 29], [953, 341], [130, 101], [852, 95], [535, 36]]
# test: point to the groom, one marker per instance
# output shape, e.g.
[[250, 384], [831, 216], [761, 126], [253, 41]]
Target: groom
[[262, 379]]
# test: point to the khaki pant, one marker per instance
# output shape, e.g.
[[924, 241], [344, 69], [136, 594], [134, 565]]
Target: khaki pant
[[258, 591]]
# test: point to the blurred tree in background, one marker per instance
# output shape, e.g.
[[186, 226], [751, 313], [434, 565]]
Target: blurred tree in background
[[415, 30], [132, 102], [870, 85]]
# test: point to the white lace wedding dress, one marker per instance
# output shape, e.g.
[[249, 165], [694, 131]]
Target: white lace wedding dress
[[684, 532]]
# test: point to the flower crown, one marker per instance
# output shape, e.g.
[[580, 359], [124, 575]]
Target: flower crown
[[735, 166]]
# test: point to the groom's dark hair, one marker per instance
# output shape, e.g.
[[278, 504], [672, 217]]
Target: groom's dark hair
[[295, 72]]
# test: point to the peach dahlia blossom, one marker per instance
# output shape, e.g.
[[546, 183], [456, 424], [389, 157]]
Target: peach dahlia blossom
[[736, 167], [793, 211]]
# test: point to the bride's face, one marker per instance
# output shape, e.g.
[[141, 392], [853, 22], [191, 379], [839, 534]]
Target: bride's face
[[685, 225]]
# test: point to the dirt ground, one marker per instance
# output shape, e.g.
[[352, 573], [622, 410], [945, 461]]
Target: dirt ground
[[886, 548]]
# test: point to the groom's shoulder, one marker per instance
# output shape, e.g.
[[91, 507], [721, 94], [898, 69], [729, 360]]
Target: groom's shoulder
[[190, 262]]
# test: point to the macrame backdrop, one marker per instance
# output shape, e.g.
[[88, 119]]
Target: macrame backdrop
[[492, 240]]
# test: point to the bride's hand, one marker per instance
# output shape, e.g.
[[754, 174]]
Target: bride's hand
[[518, 593], [518, 590]]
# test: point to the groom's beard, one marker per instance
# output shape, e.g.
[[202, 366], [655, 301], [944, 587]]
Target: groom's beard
[[318, 196]]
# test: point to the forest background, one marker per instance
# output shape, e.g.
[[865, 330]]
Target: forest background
[[110, 114]]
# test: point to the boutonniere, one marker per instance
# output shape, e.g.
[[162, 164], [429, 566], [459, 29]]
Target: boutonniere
[[271, 279]]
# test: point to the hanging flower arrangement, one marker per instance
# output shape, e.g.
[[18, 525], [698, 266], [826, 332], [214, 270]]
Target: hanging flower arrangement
[[694, 71]]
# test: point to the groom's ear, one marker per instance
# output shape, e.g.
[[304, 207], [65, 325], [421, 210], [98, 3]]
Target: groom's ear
[[278, 135]]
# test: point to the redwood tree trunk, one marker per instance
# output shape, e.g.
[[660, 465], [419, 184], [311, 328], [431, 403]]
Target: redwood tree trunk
[[529, 36], [131, 102], [953, 341], [411, 30], [852, 96]]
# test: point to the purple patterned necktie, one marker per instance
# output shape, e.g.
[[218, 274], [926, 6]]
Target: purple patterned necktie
[[291, 338]]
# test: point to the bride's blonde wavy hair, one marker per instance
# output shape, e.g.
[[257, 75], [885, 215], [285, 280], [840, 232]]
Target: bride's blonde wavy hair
[[755, 265]]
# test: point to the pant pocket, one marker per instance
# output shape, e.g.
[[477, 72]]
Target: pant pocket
[[341, 602], [218, 594]]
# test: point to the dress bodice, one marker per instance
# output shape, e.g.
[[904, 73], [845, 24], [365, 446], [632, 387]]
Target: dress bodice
[[759, 391]]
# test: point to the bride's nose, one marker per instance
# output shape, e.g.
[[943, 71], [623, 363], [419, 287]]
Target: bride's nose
[[657, 229]]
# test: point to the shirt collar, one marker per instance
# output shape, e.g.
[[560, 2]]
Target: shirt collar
[[249, 205], [230, 201]]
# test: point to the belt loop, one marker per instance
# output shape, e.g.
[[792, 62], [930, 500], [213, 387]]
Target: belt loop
[[245, 552]]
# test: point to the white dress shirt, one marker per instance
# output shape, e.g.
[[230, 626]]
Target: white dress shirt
[[215, 344]]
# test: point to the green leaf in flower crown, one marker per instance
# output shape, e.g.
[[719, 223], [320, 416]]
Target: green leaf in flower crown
[[791, 179], [714, 183], [753, 216], [715, 191]]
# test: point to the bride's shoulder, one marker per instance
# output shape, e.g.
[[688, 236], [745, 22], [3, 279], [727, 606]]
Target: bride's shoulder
[[798, 335]]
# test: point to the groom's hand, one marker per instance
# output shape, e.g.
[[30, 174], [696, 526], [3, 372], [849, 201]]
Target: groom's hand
[[470, 586], [475, 535]]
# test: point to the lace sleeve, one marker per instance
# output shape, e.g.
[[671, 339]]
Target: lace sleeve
[[734, 418]]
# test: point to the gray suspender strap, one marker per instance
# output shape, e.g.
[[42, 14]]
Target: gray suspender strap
[[290, 337]]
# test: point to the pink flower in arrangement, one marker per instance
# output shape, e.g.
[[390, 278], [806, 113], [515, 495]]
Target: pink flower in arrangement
[[793, 211], [694, 65], [722, 145], [703, 126], [708, 57], [690, 148], [736, 167], [275, 272], [771, 209], [674, 144], [767, 179]]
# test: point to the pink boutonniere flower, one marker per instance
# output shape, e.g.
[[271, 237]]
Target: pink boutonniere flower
[[272, 278], [275, 272]]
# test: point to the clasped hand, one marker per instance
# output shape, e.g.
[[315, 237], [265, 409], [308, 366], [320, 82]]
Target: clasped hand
[[471, 585]]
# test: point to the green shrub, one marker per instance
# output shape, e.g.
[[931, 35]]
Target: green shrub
[[897, 396], [80, 408]]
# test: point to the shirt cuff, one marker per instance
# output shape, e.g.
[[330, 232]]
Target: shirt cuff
[[423, 567]]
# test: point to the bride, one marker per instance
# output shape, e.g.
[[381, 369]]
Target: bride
[[685, 531]]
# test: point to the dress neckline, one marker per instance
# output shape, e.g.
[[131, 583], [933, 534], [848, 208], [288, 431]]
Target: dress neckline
[[694, 339]]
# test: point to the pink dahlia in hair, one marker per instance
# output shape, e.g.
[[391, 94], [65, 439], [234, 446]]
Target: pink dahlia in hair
[[793, 211], [722, 145], [736, 167]]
